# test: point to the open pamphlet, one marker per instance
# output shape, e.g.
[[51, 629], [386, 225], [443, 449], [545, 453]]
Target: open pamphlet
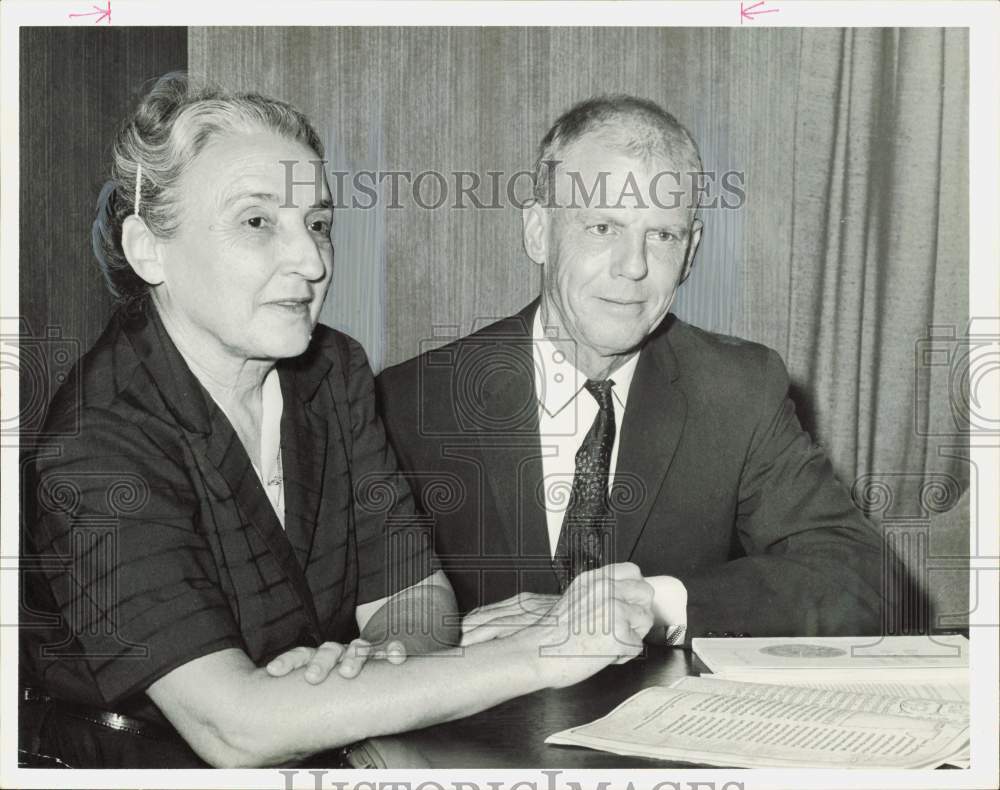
[[824, 702], [719, 722]]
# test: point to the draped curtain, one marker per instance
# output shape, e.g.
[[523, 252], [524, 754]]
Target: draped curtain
[[872, 303], [878, 260]]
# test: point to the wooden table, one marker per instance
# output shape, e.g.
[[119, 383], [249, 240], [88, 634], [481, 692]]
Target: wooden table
[[512, 735]]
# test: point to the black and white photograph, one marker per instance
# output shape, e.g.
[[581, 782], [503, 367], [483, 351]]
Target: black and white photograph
[[500, 396]]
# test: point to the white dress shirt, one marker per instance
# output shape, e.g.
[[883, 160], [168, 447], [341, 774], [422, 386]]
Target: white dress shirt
[[565, 413], [271, 473]]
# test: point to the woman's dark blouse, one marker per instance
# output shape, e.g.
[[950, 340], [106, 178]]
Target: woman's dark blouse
[[152, 540]]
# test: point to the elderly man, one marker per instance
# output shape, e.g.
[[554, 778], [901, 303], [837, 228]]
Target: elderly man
[[594, 426]]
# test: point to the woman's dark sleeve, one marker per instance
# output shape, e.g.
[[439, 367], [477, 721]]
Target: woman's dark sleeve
[[134, 580], [394, 542]]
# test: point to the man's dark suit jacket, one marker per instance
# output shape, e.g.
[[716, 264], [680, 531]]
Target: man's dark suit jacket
[[158, 542], [716, 483]]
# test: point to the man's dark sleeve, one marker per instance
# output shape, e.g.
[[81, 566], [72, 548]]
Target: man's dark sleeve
[[814, 565]]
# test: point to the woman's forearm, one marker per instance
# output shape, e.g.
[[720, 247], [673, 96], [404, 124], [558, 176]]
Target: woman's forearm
[[236, 715]]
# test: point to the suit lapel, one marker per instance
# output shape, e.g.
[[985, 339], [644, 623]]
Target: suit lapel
[[509, 438], [654, 421]]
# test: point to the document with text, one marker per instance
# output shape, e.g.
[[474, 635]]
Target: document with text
[[712, 721], [947, 684]]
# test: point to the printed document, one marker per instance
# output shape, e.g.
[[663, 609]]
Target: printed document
[[717, 722]]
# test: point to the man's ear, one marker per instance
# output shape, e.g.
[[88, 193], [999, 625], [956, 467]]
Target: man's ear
[[142, 250], [535, 230], [693, 239]]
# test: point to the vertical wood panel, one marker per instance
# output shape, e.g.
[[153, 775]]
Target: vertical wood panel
[[76, 86]]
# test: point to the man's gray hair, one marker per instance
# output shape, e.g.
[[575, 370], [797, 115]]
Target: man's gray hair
[[638, 127]]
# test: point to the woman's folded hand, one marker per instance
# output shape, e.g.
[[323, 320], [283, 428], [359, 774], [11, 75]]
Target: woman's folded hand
[[349, 659]]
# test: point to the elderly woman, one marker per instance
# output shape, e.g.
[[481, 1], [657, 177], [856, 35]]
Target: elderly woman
[[206, 502]]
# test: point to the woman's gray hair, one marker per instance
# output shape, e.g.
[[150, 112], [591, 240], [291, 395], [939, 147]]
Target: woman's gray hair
[[158, 142]]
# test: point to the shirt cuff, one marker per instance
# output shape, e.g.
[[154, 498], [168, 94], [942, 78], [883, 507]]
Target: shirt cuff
[[674, 636], [670, 607], [670, 599]]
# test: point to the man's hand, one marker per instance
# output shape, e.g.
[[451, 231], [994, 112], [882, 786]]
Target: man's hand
[[601, 619], [497, 620], [348, 659]]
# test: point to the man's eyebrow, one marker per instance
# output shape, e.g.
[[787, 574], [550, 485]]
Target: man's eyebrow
[[679, 228], [323, 204], [590, 216], [598, 215]]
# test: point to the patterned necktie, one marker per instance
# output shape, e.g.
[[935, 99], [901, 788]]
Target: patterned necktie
[[585, 538]]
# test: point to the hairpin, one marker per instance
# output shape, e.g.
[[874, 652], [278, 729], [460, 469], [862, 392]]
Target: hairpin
[[138, 186]]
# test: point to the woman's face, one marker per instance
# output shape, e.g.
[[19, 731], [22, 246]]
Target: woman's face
[[246, 273]]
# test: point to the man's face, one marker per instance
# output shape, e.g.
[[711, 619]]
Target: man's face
[[611, 266]]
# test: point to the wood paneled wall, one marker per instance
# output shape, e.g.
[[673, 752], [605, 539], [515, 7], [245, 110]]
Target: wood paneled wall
[[480, 99]]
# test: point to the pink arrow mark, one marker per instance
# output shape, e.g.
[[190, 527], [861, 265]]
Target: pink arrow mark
[[747, 12], [104, 13]]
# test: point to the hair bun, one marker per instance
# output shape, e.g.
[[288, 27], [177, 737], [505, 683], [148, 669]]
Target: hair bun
[[105, 239]]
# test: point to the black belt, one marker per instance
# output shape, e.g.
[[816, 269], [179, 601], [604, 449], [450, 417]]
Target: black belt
[[103, 718], [353, 756]]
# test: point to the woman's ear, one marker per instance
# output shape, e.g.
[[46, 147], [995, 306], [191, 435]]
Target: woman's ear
[[535, 230], [141, 250]]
